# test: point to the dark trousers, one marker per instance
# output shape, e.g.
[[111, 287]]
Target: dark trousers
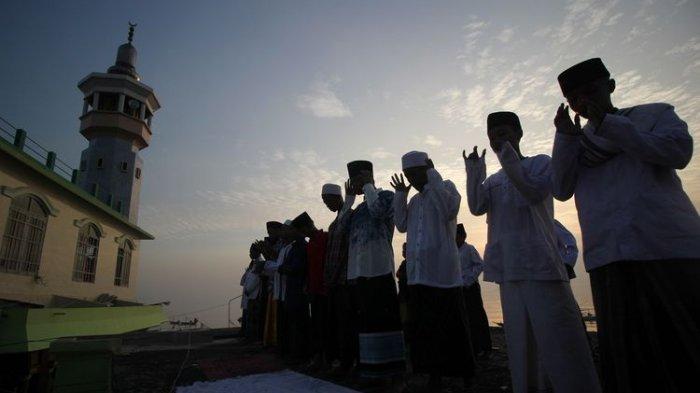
[[298, 329], [478, 321], [342, 325], [319, 324], [648, 315], [282, 328], [438, 329]]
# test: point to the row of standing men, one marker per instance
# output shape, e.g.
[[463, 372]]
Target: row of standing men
[[641, 246]]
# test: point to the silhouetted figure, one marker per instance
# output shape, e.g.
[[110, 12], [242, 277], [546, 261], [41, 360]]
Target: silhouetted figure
[[279, 286], [315, 288], [472, 266], [342, 321], [371, 267], [438, 325], [250, 281], [270, 249], [641, 232], [541, 318], [296, 301]]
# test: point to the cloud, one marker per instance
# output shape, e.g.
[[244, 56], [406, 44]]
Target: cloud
[[431, 140], [380, 153], [690, 46], [321, 101], [505, 35]]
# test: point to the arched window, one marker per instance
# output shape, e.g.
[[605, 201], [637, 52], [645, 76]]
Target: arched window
[[24, 236], [121, 275], [86, 254]]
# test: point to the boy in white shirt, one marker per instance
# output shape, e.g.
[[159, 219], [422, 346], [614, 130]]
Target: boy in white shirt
[[438, 327], [641, 232], [541, 318]]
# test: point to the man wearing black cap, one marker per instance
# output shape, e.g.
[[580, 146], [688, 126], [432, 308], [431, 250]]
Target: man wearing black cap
[[472, 266], [641, 232], [371, 268], [315, 288], [296, 302], [541, 318], [274, 249]]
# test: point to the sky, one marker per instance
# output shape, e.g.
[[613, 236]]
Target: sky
[[264, 101]]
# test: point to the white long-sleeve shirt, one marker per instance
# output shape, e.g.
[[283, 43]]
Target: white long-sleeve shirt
[[632, 207], [472, 264], [430, 221], [279, 286], [518, 202], [370, 253]]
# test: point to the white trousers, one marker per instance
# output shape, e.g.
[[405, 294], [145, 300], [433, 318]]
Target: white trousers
[[546, 339]]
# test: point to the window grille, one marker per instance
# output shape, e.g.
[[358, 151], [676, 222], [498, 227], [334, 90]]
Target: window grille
[[24, 236], [86, 254], [121, 275]]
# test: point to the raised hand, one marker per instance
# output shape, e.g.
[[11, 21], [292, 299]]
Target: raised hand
[[474, 155], [399, 183], [349, 189], [563, 123]]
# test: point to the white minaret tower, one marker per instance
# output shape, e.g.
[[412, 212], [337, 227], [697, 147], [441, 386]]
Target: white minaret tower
[[116, 119]]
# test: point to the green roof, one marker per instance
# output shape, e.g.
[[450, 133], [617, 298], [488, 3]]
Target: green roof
[[56, 179]]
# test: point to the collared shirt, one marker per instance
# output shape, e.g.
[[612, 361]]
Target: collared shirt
[[521, 244], [472, 264], [633, 206], [370, 253], [567, 244], [336, 267], [430, 222], [316, 254]]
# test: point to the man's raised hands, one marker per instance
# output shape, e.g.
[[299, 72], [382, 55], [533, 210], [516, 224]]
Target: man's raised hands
[[399, 183], [474, 155], [563, 123]]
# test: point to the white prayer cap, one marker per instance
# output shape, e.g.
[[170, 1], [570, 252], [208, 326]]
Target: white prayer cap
[[288, 223], [331, 189], [414, 159]]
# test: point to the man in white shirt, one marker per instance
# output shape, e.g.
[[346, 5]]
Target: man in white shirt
[[472, 266], [438, 326], [541, 318], [641, 232], [371, 269], [341, 313]]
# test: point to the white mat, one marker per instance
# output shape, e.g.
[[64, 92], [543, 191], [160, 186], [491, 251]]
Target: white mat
[[279, 382]]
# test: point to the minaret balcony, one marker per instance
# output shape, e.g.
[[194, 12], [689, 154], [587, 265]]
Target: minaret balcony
[[112, 123]]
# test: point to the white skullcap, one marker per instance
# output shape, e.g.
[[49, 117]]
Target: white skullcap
[[414, 159], [288, 222], [331, 189]]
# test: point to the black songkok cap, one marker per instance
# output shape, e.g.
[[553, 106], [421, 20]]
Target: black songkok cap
[[302, 220], [355, 167], [272, 226], [582, 73], [461, 230], [499, 118]]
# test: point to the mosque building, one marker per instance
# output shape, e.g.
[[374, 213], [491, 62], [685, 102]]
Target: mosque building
[[69, 253]]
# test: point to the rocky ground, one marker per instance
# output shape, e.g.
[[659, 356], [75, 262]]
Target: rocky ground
[[159, 362]]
